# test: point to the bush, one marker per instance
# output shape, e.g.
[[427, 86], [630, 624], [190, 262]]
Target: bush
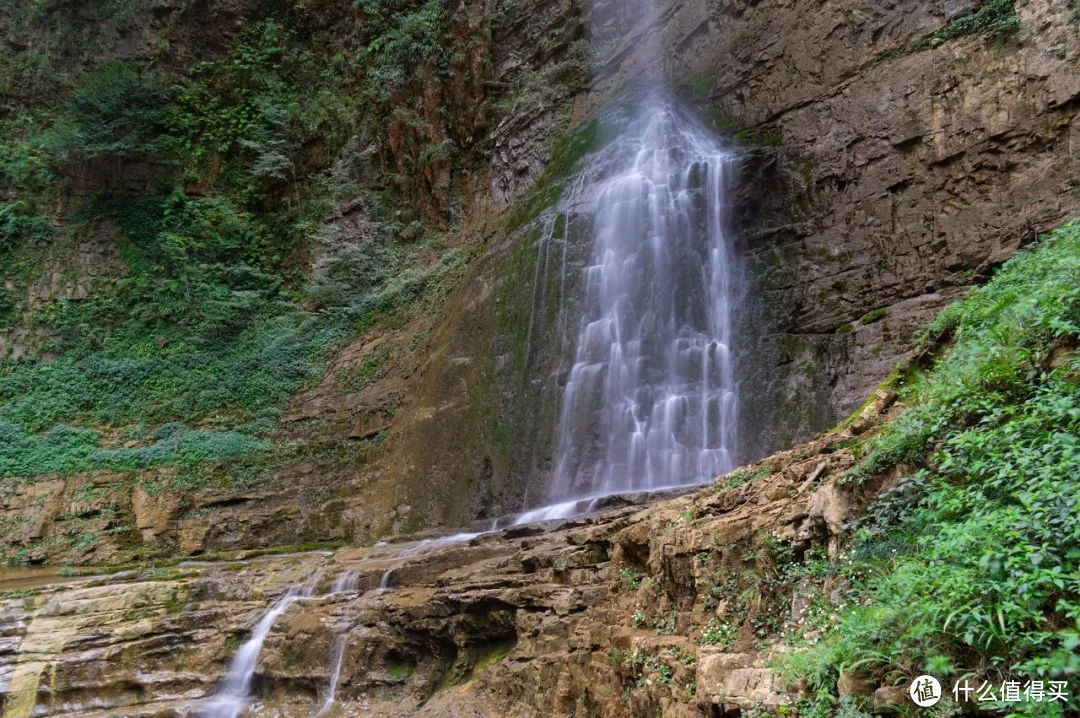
[[402, 38], [18, 224], [249, 378], [971, 565], [116, 111], [24, 159], [66, 450], [993, 19]]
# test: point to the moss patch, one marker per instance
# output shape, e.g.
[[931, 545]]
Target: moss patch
[[873, 315]]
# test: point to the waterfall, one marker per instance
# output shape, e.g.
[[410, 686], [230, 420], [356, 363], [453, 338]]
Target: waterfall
[[335, 674], [232, 695], [347, 580], [425, 545], [649, 398]]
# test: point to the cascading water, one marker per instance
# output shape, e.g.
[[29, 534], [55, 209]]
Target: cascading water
[[650, 401], [232, 696], [347, 580], [335, 675], [650, 397]]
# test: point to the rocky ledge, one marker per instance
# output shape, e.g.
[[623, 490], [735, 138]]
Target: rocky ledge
[[676, 607]]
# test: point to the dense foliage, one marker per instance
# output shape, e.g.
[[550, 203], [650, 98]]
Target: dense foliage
[[970, 566], [993, 19], [191, 355], [403, 36]]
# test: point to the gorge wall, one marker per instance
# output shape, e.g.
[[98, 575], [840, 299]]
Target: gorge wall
[[891, 154], [884, 169], [595, 617]]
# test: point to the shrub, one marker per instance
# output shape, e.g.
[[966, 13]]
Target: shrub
[[402, 38], [65, 450], [116, 111], [993, 19], [970, 565], [19, 224], [717, 633]]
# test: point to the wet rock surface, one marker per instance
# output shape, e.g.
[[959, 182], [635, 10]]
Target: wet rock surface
[[886, 171], [605, 615], [880, 178]]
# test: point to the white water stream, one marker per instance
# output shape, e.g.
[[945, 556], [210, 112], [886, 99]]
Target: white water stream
[[649, 397], [650, 401], [335, 674], [232, 696]]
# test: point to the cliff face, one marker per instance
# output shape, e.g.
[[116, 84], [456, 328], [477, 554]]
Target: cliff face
[[615, 615], [909, 165], [887, 164], [891, 155]]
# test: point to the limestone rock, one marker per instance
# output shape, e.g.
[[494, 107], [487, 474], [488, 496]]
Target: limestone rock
[[891, 700], [515, 624]]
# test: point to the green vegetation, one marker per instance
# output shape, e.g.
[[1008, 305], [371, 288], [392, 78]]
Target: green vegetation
[[371, 369], [874, 315], [724, 124], [700, 83], [403, 37], [970, 564], [65, 449], [743, 476], [567, 156], [762, 137], [399, 671], [189, 358], [648, 667], [666, 626], [993, 19], [717, 633]]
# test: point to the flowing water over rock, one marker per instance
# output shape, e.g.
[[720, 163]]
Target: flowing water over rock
[[335, 675], [634, 292], [346, 581], [488, 626], [650, 401], [233, 694]]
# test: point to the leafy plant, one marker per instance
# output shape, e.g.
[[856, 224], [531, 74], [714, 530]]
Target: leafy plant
[[403, 37], [969, 566], [116, 111], [717, 633], [20, 224], [739, 477], [992, 19], [631, 578], [666, 626]]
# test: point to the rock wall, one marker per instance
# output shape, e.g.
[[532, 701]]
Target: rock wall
[[885, 169], [898, 168], [618, 614]]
